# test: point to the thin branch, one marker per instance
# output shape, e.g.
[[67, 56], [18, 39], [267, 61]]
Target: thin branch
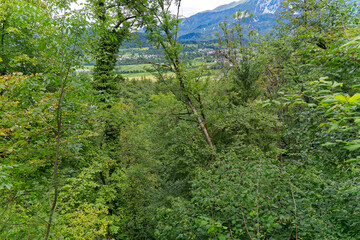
[[257, 206], [63, 80], [292, 195], [5, 223], [246, 227], [122, 21], [42, 219]]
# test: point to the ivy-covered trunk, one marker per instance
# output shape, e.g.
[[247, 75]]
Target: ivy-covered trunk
[[105, 78], [2, 47]]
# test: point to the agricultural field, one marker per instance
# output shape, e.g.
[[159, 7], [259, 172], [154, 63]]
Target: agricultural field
[[136, 63]]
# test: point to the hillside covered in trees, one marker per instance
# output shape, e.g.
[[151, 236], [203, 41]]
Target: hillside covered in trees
[[264, 143]]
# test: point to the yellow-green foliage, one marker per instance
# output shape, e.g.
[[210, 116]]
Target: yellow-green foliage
[[84, 223]]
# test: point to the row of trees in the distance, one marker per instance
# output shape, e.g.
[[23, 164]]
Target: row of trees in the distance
[[267, 149]]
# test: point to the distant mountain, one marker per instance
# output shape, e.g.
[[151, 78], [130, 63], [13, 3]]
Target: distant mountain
[[204, 25]]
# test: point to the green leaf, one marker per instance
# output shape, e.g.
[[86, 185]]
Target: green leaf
[[353, 160], [342, 98], [312, 105], [328, 144], [322, 79], [328, 102], [7, 185], [336, 84], [353, 147], [357, 120], [354, 98], [324, 91]]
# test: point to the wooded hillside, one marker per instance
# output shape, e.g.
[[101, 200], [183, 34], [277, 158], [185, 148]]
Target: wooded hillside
[[264, 143]]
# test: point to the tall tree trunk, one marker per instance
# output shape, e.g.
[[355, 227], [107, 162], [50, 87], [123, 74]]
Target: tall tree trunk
[[104, 71], [200, 117], [203, 126], [63, 79], [3, 70]]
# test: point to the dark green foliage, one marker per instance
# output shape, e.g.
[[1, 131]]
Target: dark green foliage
[[248, 195], [242, 61], [105, 79], [137, 92], [243, 196], [250, 125], [20, 43], [177, 143]]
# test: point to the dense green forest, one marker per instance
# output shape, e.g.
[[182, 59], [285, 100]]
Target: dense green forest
[[264, 144]]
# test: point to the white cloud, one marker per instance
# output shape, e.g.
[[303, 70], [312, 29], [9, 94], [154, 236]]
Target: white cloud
[[189, 7]]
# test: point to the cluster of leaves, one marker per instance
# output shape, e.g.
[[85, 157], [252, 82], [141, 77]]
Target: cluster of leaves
[[262, 192], [28, 147]]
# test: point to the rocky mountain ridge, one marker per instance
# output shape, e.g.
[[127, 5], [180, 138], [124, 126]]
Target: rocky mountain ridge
[[204, 25]]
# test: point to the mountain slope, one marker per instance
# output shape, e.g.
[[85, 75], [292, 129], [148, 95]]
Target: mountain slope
[[204, 25]]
